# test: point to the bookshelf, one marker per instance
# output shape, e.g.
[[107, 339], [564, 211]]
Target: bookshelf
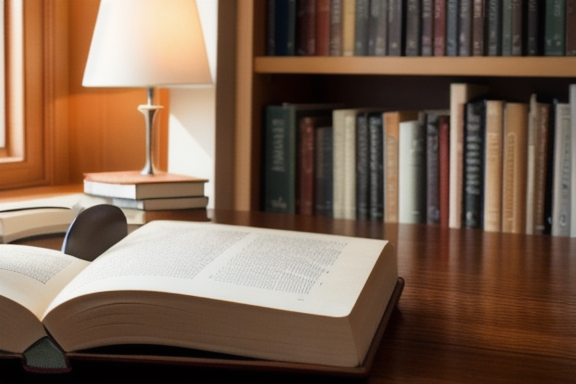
[[392, 82]]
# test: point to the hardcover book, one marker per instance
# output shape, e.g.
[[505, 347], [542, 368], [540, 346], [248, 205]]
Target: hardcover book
[[493, 166], [562, 174], [439, 27], [411, 172], [199, 286]]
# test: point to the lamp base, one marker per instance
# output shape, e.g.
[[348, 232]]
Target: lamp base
[[149, 112]]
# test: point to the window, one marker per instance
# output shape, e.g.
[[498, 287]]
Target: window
[[23, 154]]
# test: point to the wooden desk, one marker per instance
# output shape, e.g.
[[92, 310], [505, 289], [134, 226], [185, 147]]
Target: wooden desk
[[477, 308]]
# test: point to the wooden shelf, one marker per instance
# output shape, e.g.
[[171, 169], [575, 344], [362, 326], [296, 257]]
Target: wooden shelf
[[419, 66]]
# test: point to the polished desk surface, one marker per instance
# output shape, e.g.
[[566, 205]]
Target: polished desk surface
[[477, 307]]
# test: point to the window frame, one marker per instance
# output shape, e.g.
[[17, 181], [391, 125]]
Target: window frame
[[32, 107]]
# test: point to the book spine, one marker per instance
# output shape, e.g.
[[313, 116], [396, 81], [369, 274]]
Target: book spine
[[493, 166], [555, 28], [396, 22], [507, 27], [361, 27], [572, 103], [517, 29], [570, 28], [271, 28], [439, 27], [465, 28], [348, 27], [473, 191], [452, 18], [378, 28], [376, 166], [391, 136], [362, 167], [444, 168], [323, 27], [562, 172], [413, 28], [306, 28], [323, 172], [534, 17], [432, 169], [549, 191], [279, 164], [541, 168], [427, 41], [336, 27], [350, 166], [338, 155], [305, 197], [514, 168], [494, 27], [478, 27], [411, 180], [284, 27]]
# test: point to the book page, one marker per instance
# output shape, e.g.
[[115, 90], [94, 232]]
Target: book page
[[33, 276], [277, 269]]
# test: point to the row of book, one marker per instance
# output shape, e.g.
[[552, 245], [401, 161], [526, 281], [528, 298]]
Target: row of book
[[421, 28], [481, 163]]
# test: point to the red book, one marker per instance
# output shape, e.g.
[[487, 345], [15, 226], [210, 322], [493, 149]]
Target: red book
[[439, 27], [444, 168], [323, 27]]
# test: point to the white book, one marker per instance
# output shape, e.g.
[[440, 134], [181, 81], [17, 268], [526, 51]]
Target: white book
[[573, 157], [562, 173], [411, 173], [260, 293]]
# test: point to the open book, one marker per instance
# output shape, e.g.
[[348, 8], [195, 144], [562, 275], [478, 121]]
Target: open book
[[260, 293]]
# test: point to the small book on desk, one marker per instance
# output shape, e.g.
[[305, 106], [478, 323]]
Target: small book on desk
[[134, 185], [268, 299]]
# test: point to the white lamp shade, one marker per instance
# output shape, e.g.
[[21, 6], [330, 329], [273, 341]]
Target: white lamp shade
[[147, 43]]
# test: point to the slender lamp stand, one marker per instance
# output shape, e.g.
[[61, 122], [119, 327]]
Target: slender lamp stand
[[149, 112]]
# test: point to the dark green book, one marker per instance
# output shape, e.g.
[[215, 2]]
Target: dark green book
[[555, 28], [494, 27]]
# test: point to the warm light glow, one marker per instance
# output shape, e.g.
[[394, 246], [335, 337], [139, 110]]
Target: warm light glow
[[147, 43]]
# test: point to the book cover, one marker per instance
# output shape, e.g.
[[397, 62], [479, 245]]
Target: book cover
[[306, 28], [537, 159], [336, 27], [562, 174], [362, 15], [452, 28], [460, 94], [348, 27], [378, 28], [570, 28], [392, 121], [282, 27], [413, 27], [305, 200], [518, 28], [444, 168], [535, 27], [427, 40], [507, 27], [376, 165], [555, 28], [363, 147], [411, 172], [493, 166], [474, 162], [494, 27], [465, 28], [478, 27], [323, 178], [396, 27], [323, 27], [514, 168], [432, 168], [439, 27]]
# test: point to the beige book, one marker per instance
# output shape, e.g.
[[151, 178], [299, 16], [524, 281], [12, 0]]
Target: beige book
[[493, 166], [514, 174], [392, 122], [460, 94], [261, 293], [562, 175]]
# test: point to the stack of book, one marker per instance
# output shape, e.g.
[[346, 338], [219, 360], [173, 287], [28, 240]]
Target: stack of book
[[162, 191]]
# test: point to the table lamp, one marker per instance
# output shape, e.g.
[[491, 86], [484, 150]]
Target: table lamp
[[147, 44]]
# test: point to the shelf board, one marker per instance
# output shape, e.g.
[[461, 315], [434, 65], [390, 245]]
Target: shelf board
[[420, 66]]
